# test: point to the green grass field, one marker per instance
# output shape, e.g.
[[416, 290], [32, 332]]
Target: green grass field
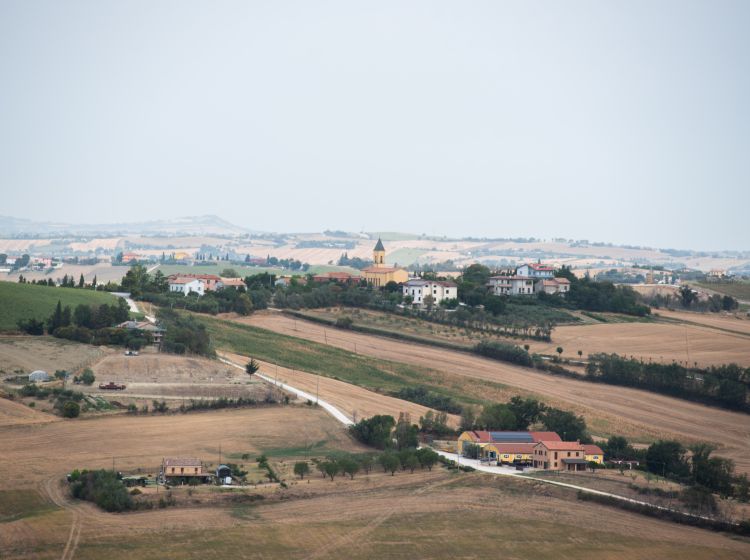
[[405, 256], [18, 504], [329, 361], [26, 301]]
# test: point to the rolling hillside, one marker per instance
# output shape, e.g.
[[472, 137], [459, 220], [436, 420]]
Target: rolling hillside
[[24, 301]]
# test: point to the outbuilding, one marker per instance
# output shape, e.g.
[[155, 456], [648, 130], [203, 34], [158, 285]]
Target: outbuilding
[[38, 375]]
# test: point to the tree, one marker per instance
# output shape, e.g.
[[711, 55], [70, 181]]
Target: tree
[[82, 316], [71, 409], [714, 473], [468, 418], [56, 319], [687, 295], [410, 461], [429, 302], [427, 457], [375, 431], [301, 468], [526, 411], [389, 462], [366, 461], [497, 417], [559, 350], [331, 468], [87, 377], [252, 367], [349, 466], [81, 282], [569, 426], [494, 304], [243, 305], [31, 326], [406, 433], [668, 459], [580, 353]]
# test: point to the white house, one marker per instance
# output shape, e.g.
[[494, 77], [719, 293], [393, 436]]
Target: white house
[[187, 285], [511, 285], [528, 279], [535, 270], [419, 289]]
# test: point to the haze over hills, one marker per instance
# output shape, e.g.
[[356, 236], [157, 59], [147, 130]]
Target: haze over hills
[[188, 225]]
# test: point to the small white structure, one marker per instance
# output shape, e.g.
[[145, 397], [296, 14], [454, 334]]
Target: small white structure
[[187, 285], [38, 375], [419, 289]]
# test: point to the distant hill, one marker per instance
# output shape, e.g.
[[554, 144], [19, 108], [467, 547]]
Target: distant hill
[[189, 225], [26, 301]]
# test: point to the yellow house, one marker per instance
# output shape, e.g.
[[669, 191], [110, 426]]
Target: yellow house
[[509, 452], [594, 453], [379, 274]]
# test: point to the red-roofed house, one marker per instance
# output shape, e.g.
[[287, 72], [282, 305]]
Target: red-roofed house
[[560, 456], [593, 453], [483, 438]]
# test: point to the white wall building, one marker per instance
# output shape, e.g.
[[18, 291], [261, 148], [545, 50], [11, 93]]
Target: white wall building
[[511, 285], [419, 289], [187, 285], [529, 279]]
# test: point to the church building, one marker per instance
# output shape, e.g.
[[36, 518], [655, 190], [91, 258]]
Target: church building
[[379, 274]]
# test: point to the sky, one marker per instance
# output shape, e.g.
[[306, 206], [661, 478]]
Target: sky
[[626, 122]]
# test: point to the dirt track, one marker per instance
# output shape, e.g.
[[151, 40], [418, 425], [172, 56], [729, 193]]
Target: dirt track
[[352, 400], [668, 416]]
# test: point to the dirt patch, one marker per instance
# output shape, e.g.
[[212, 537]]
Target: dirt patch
[[30, 353]]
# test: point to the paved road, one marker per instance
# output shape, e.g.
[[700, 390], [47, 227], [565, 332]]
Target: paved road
[[132, 305]]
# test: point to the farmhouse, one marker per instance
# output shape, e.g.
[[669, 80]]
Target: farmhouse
[[560, 456], [511, 285], [175, 468], [593, 453], [379, 274], [187, 285], [211, 282], [419, 289], [484, 438], [157, 333], [552, 286], [232, 283]]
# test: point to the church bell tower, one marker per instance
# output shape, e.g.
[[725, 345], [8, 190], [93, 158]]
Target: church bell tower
[[378, 254]]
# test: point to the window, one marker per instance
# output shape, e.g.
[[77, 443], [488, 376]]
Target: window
[[182, 470], [569, 453], [555, 457]]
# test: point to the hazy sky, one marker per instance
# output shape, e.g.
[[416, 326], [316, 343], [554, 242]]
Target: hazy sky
[[615, 121]]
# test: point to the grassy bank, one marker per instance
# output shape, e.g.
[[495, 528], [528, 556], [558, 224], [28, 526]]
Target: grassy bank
[[26, 301]]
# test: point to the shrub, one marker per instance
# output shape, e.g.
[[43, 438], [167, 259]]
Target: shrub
[[504, 352], [104, 489], [71, 409]]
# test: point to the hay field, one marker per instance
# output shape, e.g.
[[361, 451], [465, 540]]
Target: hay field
[[608, 409], [659, 341], [422, 515], [104, 273], [16, 413], [29, 353]]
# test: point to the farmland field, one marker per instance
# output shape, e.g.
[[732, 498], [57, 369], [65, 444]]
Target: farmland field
[[608, 409], [26, 301], [28, 353], [739, 290], [434, 514]]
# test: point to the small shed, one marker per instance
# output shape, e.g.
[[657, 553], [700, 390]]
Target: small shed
[[38, 375], [223, 471]]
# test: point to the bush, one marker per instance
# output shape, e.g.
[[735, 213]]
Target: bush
[[87, 377], [504, 352], [71, 409]]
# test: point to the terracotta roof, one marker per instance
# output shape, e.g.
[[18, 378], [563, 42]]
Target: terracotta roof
[[182, 462], [199, 276], [537, 266], [562, 445], [510, 448], [562, 280], [545, 436], [233, 281], [183, 280], [593, 450]]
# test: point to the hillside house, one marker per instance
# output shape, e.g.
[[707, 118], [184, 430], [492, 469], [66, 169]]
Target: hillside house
[[187, 285], [484, 438], [175, 468], [211, 282], [232, 283], [593, 453], [528, 279], [157, 333], [511, 285], [560, 456], [419, 289], [552, 286], [536, 271], [380, 274]]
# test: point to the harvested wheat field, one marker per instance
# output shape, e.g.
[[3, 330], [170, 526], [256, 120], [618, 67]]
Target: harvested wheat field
[[663, 342], [152, 375], [28, 353], [427, 514], [612, 409], [14, 413], [354, 401], [728, 322]]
